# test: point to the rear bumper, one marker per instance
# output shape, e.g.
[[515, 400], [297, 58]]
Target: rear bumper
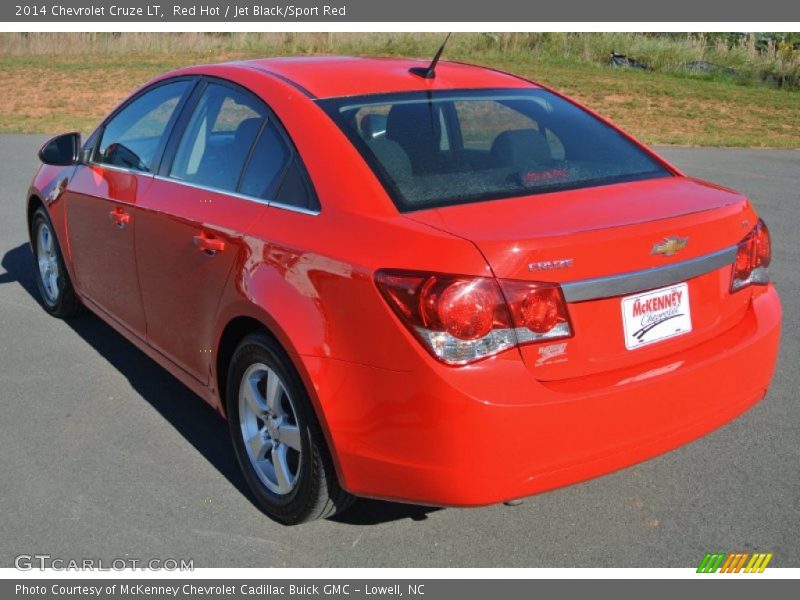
[[492, 432]]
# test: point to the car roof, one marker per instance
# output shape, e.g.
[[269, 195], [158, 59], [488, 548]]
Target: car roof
[[337, 76]]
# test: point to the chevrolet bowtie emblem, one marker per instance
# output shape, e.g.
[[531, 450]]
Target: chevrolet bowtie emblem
[[669, 246]]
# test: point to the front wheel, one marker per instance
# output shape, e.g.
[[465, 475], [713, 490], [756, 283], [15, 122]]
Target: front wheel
[[276, 436], [55, 288]]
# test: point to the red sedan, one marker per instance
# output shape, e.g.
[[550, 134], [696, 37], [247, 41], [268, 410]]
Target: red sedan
[[450, 287]]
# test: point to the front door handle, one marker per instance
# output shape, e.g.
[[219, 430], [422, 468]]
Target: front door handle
[[119, 217], [209, 245]]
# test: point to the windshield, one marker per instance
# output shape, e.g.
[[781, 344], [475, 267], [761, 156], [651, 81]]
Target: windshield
[[453, 147]]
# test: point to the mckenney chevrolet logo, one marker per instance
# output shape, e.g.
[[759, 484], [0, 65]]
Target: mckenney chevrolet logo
[[735, 562], [669, 246], [670, 300]]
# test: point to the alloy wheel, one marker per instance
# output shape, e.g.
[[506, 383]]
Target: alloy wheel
[[47, 257], [269, 428]]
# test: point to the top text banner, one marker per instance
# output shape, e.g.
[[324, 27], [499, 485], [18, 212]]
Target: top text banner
[[132, 11]]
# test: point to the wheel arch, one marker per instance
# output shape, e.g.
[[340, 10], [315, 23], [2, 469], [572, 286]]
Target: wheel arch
[[236, 328], [55, 212], [260, 297], [34, 203]]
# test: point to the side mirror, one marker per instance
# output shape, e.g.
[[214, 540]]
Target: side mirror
[[62, 150]]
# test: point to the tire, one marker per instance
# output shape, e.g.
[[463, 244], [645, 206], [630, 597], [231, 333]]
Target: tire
[[55, 287], [276, 436]]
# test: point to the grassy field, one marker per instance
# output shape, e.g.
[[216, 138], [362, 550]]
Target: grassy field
[[59, 82]]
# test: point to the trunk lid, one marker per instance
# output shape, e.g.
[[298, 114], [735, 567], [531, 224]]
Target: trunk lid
[[598, 243]]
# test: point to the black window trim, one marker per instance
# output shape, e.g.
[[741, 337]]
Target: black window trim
[[331, 107], [179, 128]]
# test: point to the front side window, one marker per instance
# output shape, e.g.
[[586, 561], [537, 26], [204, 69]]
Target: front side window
[[452, 147], [217, 141], [133, 137]]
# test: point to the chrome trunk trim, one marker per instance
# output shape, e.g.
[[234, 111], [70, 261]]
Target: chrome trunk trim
[[646, 279]]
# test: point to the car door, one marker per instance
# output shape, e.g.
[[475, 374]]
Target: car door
[[219, 169], [122, 159]]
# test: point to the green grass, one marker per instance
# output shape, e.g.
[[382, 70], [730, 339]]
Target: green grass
[[59, 82]]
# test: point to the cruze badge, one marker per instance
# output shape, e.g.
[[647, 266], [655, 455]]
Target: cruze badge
[[670, 246], [547, 265]]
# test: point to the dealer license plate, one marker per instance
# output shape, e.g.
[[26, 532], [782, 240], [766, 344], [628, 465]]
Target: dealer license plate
[[656, 315]]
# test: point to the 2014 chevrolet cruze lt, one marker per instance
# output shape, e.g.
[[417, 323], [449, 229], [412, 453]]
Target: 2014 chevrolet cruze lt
[[452, 288]]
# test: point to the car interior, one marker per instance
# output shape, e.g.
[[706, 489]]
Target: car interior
[[442, 150], [422, 145]]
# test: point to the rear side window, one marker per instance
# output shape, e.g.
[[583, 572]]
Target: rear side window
[[267, 163], [295, 189], [453, 147], [276, 173], [218, 138], [134, 136]]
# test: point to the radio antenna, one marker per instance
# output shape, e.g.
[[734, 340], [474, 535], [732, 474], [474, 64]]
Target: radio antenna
[[429, 72]]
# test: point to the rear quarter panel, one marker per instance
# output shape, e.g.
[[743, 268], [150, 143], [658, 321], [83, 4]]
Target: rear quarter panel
[[309, 278]]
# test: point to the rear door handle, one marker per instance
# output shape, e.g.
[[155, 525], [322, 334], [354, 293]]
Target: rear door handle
[[209, 245], [119, 217]]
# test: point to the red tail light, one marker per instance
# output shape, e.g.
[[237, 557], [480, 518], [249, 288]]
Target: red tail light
[[751, 266], [463, 308], [538, 309], [462, 319]]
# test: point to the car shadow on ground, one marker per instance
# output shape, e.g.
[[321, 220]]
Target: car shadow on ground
[[202, 426]]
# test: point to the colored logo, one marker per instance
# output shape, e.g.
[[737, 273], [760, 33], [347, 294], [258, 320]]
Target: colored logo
[[735, 562], [669, 246]]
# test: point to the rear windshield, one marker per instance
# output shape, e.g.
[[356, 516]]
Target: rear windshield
[[453, 147]]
